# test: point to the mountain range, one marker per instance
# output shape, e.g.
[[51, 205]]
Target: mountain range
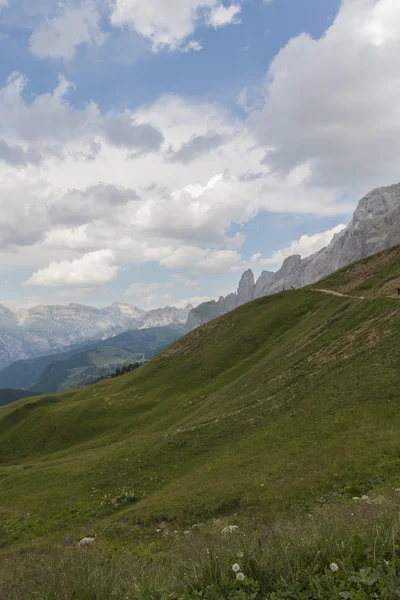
[[84, 363], [375, 226], [9, 396], [40, 330]]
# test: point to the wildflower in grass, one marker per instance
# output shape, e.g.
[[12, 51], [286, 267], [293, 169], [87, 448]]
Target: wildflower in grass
[[235, 568], [334, 567], [240, 554], [240, 576]]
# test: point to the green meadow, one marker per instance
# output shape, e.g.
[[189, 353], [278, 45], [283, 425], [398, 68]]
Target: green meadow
[[285, 407]]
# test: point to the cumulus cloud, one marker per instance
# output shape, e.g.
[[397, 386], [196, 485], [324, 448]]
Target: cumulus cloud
[[200, 260], [328, 131], [94, 268], [169, 24], [23, 219], [151, 289], [193, 202], [305, 246], [333, 103], [49, 119], [192, 46], [143, 290], [224, 15], [193, 300], [155, 293], [60, 36], [78, 207], [123, 132], [182, 280], [17, 156], [197, 146]]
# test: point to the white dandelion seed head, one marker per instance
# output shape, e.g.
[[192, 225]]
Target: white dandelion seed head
[[334, 567], [240, 554], [240, 576], [235, 568]]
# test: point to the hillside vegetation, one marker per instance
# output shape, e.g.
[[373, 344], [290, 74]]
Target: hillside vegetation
[[289, 400]]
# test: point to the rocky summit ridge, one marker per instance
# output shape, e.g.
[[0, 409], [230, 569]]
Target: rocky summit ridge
[[29, 332], [375, 226]]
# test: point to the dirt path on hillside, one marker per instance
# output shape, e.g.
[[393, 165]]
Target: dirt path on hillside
[[332, 293]]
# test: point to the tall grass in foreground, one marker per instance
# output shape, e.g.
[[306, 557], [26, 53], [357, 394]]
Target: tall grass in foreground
[[349, 552]]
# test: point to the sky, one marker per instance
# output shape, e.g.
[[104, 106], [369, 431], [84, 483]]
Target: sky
[[152, 151]]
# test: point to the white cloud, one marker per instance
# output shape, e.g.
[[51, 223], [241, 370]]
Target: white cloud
[[194, 301], [305, 246], [192, 46], [160, 293], [181, 221], [332, 103], [164, 182], [143, 290], [200, 260], [151, 291], [60, 36], [188, 283], [94, 268], [169, 24], [49, 122], [224, 15]]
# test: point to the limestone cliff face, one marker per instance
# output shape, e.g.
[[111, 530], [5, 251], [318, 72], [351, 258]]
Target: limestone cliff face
[[210, 310], [246, 288], [375, 226]]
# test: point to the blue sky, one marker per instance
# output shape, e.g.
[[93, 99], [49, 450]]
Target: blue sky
[[150, 153]]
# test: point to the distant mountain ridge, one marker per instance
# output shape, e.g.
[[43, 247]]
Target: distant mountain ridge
[[27, 333], [85, 363], [10, 396], [375, 226]]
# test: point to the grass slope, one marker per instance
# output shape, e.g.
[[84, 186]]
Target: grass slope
[[287, 399]]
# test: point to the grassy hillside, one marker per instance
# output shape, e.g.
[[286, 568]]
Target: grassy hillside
[[84, 363], [287, 400]]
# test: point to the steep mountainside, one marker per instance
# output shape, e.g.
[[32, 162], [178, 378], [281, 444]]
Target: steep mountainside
[[27, 333], [375, 226], [289, 398], [75, 367]]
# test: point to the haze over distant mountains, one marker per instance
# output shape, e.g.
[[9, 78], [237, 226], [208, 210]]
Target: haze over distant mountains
[[375, 226], [26, 333]]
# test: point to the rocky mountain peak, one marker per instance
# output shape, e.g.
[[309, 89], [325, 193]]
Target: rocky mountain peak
[[246, 288], [377, 203]]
